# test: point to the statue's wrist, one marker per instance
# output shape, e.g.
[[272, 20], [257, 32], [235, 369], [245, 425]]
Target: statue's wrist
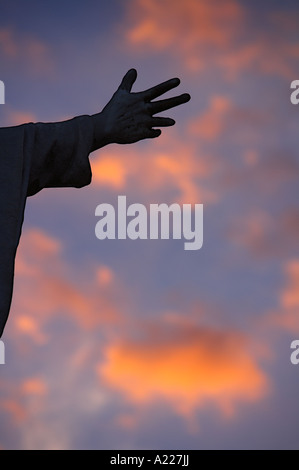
[[101, 137]]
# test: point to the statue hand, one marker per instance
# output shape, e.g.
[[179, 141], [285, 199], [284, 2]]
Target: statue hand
[[129, 117]]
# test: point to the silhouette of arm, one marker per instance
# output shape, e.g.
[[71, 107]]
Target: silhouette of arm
[[60, 150], [34, 156]]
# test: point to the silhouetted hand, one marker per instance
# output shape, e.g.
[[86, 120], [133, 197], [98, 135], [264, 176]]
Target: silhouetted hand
[[129, 117]]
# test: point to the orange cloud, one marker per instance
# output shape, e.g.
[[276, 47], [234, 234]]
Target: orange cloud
[[187, 27], [14, 117], [41, 246], [34, 386], [184, 365], [105, 275], [281, 56], [29, 326], [167, 165], [43, 289], [213, 33], [109, 171], [225, 119], [212, 122]]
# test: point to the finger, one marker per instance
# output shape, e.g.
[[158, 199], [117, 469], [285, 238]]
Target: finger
[[163, 105], [152, 133], [162, 122], [128, 80], [158, 90]]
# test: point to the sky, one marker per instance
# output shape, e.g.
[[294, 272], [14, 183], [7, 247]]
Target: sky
[[140, 344]]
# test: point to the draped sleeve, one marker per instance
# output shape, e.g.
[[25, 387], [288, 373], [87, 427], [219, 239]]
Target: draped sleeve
[[34, 156]]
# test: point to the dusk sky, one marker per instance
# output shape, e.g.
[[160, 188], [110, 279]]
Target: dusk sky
[[140, 344]]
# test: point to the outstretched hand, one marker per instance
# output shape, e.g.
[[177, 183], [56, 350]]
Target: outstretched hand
[[129, 117]]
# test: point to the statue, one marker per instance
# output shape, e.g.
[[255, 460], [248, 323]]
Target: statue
[[34, 156]]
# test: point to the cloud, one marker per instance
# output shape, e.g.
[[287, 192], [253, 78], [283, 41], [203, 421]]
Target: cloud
[[184, 365], [34, 386], [54, 397], [290, 295], [167, 166], [105, 275], [110, 171], [14, 409], [287, 314], [215, 33], [268, 54], [15, 117], [31, 327], [26, 51], [176, 361], [265, 235], [44, 289], [211, 123], [223, 116], [186, 28]]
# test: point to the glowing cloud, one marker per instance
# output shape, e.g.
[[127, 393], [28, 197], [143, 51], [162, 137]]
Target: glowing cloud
[[212, 122], [43, 289], [214, 33], [187, 27], [185, 366], [34, 386], [167, 165], [109, 171]]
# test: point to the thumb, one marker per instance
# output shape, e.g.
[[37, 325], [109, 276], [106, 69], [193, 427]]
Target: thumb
[[128, 80]]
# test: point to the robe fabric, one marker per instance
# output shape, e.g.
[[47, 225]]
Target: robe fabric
[[34, 156]]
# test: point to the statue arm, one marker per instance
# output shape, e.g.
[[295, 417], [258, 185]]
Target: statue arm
[[59, 151]]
